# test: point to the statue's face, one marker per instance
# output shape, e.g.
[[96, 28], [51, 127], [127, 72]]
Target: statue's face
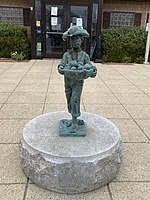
[[76, 41]]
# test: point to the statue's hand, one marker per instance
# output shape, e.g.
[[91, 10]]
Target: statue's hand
[[61, 69], [89, 72], [94, 72]]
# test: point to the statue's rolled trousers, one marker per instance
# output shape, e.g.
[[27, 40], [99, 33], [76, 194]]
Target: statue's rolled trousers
[[75, 66]]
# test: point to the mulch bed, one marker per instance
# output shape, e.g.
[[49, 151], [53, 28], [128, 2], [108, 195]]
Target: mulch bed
[[11, 60], [114, 63]]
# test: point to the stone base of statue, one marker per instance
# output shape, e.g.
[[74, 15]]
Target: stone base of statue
[[65, 130], [70, 164]]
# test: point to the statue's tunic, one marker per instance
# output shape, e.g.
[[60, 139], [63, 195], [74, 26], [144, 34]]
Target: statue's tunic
[[73, 88]]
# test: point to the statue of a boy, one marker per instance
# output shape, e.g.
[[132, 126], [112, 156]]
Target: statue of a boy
[[75, 66]]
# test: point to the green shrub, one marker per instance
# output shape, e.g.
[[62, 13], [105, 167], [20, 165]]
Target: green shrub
[[14, 38], [126, 44]]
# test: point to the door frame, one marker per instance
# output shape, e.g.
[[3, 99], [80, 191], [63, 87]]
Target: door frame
[[43, 26], [66, 7]]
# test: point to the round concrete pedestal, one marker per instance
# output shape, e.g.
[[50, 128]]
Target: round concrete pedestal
[[70, 164]]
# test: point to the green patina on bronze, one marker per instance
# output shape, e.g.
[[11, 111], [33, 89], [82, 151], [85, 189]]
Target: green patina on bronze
[[75, 66]]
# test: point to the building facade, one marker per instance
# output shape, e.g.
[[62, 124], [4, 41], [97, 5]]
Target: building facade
[[46, 20]]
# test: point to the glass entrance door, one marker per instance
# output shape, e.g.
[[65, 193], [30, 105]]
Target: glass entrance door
[[57, 18], [53, 30], [79, 17]]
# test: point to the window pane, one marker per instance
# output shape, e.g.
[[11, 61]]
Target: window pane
[[38, 27], [54, 29], [119, 19], [11, 15], [79, 13]]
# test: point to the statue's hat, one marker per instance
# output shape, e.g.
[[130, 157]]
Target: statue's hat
[[75, 30]]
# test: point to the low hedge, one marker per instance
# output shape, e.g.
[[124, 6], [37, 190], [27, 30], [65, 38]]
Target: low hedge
[[125, 44], [14, 38]]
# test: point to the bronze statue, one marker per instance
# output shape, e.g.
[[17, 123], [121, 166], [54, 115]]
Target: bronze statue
[[75, 66]]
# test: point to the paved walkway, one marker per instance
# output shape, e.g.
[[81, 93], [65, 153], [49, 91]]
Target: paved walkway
[[120, 93]]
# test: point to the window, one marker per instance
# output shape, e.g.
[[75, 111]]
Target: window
[[119, 19], [11, 15]]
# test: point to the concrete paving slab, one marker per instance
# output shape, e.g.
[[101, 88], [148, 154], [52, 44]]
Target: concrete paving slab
[[128, 70], [24, 64], [145, 88], [133, 98], [145, 125], [108, 70], [146, 73], [111, 76], [30, 81], [26, 98], [37, 74], [41, 69], [55, 74], [55, 98], [136, 162], [45, 60], [17, 70], [135, 77], [4, 96], [130, 131], [57, 81], [130, 191], [92, 82], [10, 168], [108, 111], [6, 64], [144, 82], [2, 70], [13, 74], [35, 192], [117, 67], [11, 130], [124, 89], [96, 89], [12, 192], [123, 82], [139, 111], [56, 88], [55, 107], [7, 87], [8, 80], [103, 98], [31, 88], [20, 111]]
